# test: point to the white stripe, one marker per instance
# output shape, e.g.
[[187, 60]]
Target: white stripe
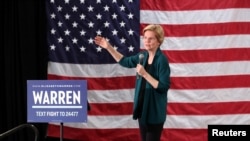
[[87, 70], [111, 96], [209, 95], [177, 69], [204, 42], [194, 16], [173, 121], [210, 69], [105, 122], [198, 122], [179, 96]]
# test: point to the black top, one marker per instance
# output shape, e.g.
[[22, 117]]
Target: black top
[[142, 92]]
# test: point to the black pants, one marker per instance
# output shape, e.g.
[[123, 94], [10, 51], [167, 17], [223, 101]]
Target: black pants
[[150, 132]]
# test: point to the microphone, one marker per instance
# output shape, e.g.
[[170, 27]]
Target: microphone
[[141, 56]]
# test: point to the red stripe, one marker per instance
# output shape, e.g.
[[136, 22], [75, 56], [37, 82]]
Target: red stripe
[[209, 55], [113, 109], [210, 82], [185, 30], [101, 83], [184, 135], [95, 134], [239, 107], [215, 108], [178, 5], [125, 134]]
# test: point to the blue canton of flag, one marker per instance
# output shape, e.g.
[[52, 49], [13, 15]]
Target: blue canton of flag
[[73, 24]]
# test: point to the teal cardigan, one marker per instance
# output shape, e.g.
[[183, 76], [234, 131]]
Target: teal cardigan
[[155, 100]]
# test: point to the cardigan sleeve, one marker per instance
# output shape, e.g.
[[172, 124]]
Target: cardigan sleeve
[[130, 61], [164, 74]]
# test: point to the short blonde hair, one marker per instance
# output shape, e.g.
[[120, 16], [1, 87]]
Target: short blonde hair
[[159, 32]]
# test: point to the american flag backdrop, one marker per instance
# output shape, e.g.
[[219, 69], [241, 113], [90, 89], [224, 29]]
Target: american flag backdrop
[[206, 42]]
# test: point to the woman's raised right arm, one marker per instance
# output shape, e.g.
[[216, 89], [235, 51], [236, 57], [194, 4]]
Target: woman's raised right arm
[[102, 42]]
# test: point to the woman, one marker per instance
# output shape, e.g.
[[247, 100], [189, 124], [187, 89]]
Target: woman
[[150, 99]]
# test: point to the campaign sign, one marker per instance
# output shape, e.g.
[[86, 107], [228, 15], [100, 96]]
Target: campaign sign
[[57, 101]]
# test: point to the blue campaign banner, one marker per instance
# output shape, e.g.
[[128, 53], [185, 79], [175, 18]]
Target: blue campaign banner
[[56, 101]]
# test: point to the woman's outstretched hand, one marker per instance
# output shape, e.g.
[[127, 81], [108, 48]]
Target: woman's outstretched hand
[[102, 42]]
